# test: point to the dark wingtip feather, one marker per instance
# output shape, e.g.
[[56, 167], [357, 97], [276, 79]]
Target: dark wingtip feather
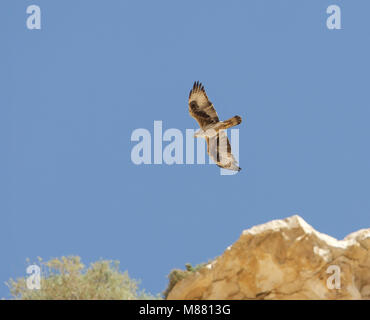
[[197, 86]]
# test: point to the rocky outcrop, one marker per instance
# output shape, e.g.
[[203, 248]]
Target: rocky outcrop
[[284, 259]]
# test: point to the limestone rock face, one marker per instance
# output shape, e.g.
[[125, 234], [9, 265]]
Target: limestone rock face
[[284, 259]]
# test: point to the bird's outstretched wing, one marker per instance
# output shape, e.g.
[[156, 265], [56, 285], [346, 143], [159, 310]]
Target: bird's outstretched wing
[[200, 108], [219, 149]]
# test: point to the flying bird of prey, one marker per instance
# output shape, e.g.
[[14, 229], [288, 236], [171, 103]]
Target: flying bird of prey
[[211, 128]]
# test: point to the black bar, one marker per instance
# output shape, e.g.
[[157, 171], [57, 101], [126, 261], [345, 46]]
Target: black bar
[[176, 309]]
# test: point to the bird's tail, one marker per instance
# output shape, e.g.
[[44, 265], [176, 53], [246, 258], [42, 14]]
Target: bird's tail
[[232, 122], [232, 166], [214, 129]]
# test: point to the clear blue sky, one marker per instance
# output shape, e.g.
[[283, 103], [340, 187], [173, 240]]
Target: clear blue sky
[[72, 93]]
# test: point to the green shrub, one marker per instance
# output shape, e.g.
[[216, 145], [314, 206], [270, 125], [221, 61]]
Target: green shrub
[[177, 275], [67, 278]]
